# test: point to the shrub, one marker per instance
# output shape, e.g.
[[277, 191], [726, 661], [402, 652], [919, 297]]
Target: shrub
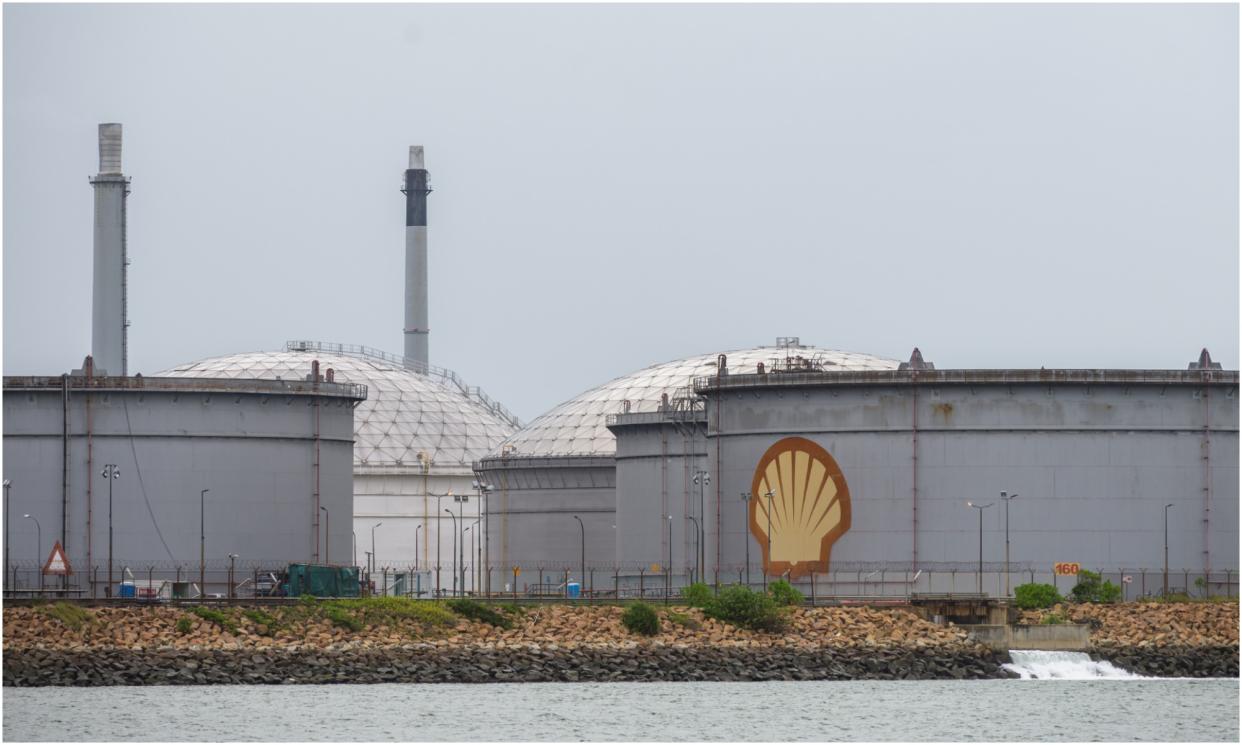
[[744, 607], [1091, 590], [184, 625], [341, 617], [72, 616], [1053, 619], [641, 618], [1035, 595], [684, 620], [259, 617], [697, 595], [784, 593], [216, 617], [476, 611]]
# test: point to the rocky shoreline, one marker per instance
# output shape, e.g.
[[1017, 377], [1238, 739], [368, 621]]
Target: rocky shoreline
[[303, 644]]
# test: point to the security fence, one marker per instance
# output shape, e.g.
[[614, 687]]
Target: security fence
[[844, 581]]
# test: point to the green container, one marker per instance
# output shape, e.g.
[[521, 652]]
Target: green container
[[322, 581]]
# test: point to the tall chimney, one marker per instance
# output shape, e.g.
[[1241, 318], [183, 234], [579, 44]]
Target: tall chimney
[[110, 325], [416, 191]]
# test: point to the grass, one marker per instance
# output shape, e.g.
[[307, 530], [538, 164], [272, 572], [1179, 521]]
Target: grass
[[72, 616], [185, 624], [684, 620], [357, 613], [216, 617], [476, 611]]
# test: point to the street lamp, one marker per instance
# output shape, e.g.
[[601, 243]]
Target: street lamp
[[769, 494], [326, 526], [746, 531], [702, 479], [668, 569], [582, 579], [1166, 550], [474, 524], [232, 576], [1007, 499], [370, 567], [202, 540], [111, 473], [981, 508], [485, 491], [7, 485], [697, 534], [354, 533], [450, 514], [38, 547], [420, 527], [461, 500]]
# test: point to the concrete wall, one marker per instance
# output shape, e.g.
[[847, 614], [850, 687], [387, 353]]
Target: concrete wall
[[250, 445]]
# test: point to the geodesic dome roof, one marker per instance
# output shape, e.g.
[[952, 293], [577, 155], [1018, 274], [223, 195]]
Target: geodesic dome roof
[[577, 427], [405, 412]]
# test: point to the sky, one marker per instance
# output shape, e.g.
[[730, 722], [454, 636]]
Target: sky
[[615, 186]]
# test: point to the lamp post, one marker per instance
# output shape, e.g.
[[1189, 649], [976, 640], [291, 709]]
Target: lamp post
[[981, 508], [485, 491], [354, 533], [232, 575], [1166, 550], [110, 473], [7, 485], [1006, 498], [326, 530], [582, 579], [370, 567], [668, 569], [461, 500], [769, 494], [416, 531], [450, 514], [746, 531], [38, 546], [702, 479], [474, 524], [202, 541], [698, 565]]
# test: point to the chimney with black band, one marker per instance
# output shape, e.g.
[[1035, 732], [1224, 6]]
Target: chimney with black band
[[416, 191]]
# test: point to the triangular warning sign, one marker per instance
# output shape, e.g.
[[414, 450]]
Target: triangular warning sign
[[57, 562]]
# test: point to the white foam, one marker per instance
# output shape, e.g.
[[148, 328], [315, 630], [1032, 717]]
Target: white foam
[[1036, 665]]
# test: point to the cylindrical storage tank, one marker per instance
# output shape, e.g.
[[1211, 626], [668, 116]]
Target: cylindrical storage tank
[[262, 450], [1094, 455]]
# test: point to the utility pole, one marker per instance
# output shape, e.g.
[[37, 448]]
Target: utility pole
[[746, 531], [702, 479], [981, 508], [1166, 550], [202, 541], [111, 473]]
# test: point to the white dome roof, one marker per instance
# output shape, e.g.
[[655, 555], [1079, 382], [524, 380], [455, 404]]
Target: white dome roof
[[577, 426], [405, 412]]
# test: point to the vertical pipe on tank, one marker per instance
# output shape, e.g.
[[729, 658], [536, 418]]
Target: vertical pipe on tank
[[416, 191], [109, 324]]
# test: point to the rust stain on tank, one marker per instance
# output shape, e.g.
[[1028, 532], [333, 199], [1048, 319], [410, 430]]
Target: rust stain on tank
[[944, 410]]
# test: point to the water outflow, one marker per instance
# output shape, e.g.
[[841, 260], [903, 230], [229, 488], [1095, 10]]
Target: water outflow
[[1037, 665]]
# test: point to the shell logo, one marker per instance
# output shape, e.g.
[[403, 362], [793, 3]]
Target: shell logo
[[809, 507]]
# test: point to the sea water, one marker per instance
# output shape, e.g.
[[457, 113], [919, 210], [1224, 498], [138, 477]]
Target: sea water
[[1058, 710]]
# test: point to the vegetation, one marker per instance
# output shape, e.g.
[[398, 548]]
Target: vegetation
[[684, 620], [185, 624], [216, 617], [260, 617], [697, 595], [1091, 590], [69, 614], [1036, 595], [746, 608], [1054, 619], [785, 594], [476, 611], [641, 618], [340, 616]]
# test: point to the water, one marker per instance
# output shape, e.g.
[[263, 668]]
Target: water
[[1143, 709], [1036, 665]]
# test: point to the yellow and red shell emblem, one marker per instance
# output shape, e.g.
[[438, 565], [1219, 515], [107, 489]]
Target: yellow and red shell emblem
[[809, 504]]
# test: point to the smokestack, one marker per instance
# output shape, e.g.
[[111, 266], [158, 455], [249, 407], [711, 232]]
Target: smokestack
[[110, 325], [416, 191]]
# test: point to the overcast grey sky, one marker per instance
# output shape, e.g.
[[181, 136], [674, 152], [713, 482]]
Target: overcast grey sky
[[1003, 186]]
